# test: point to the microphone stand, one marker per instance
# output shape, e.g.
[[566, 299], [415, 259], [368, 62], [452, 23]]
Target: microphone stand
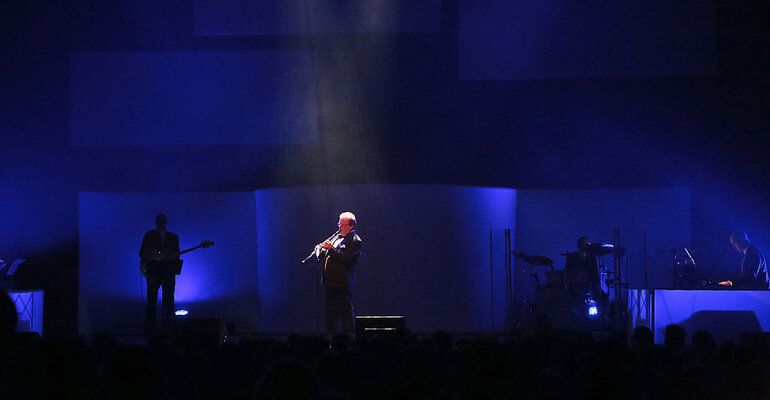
[[316, 252], [315, 249]]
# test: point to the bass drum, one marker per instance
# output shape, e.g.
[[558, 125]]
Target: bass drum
[[567, 312], [555, 278], [544, 293], [580, 288]]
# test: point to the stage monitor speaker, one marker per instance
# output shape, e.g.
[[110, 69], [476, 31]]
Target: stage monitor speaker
[[199, 331], [369, 325]]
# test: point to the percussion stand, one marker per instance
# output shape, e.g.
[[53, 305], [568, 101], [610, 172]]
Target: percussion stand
[[618, 254]]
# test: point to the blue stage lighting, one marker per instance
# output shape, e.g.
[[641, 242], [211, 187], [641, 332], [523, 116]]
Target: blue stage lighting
[[181, 313]]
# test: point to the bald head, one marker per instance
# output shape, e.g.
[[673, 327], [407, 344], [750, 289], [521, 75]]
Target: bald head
[[347, 222], [739, 241]]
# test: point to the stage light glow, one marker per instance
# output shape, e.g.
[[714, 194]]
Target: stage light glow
[[181, 313], [593, 309], [211, 277]]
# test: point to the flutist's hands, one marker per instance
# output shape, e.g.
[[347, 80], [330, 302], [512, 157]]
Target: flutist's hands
[[726, 283], [326, 245]]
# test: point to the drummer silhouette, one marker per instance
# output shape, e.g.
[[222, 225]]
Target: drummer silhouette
[[581, 270]]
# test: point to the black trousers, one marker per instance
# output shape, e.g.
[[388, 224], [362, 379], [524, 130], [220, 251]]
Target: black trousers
[[154, 283], [339, 308]]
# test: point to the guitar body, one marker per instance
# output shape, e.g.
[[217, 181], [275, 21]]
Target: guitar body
[[167, 262], [161, 267]]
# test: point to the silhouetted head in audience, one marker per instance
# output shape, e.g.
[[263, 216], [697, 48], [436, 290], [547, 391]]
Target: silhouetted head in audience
[[483, 371], [444, 340], [675, 336], [642, 337], [287, 379], [340, 341], [8, 318], [703, 341]]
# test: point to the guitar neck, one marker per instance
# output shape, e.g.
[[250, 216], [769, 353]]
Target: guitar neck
[[189, 250]]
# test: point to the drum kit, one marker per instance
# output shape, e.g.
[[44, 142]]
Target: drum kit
[[568, 300]]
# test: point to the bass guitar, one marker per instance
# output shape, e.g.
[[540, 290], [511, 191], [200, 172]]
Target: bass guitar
[[165, 262]]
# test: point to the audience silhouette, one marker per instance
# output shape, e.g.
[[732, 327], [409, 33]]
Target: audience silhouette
[[540, 365]]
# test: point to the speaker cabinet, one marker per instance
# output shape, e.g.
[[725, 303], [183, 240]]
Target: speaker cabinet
[[369, 325]]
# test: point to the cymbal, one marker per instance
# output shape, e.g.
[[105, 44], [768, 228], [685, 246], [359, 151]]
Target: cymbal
[[600, 249], [534, 260]]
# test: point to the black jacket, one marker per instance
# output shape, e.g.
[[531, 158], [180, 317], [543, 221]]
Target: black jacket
[[582, 274], [339, 261], [152, 245], [753, 273]]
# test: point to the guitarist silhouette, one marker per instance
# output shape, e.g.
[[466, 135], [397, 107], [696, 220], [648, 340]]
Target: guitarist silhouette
[[160, 257]]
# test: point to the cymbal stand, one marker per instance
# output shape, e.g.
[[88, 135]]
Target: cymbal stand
[[618, 257]]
